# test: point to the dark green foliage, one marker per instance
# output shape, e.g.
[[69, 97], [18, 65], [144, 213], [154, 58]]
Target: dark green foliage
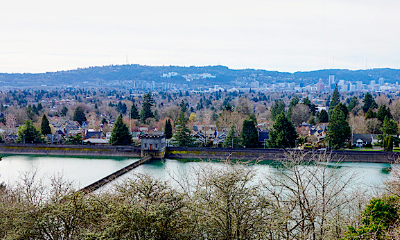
[[64, 111], [249, 134], [168, 129], [384, 112], [338, 129], [228, 107], [295, 100], [387, 143], [77, 139], [379, 216], [148, 103], [389, 127], [313, 108], [79, 115], [277, 109], [182, 136], [28, 134], [335, 99], [369, 102], [121, 108], [29, 112], [284, 134], [39, 107], [104, 121], [370, 114], [344, 109], [353, 103], [45, 126], [120, 134], [232, 139], [323, 116], [134, 112]]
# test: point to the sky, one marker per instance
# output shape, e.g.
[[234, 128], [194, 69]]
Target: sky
[[279, 35]]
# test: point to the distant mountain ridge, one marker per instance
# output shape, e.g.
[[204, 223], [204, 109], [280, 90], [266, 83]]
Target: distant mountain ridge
[[115, 75]]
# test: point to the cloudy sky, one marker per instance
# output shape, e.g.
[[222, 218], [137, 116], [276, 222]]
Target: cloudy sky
[[282, 35]]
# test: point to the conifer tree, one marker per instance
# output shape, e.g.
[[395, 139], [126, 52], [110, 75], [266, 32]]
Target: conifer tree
[[79, 115], [369, 102], [134, 112], [120, 134], [249, 134], [28, 134], [284, 134], [148, 103], [182, 136], [389, 127], [335, 99], [231, 140], [338, 129], [168, 129], [45, 126]]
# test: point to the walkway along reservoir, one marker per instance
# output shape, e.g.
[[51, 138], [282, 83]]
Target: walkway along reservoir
[[185, 153]]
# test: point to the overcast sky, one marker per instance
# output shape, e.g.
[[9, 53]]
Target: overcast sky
[[282, 35]]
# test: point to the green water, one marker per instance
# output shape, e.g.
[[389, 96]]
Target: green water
[[84, 171]]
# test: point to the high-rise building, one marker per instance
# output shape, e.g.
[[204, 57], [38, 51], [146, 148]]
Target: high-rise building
[[381, 81], [331, 81], [320, 86], [359, 85]]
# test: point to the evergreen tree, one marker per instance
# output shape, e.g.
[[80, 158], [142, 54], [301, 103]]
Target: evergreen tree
[[313, 108], [121, 108], [249, 134], [335, 99], [369, 102], [45, 126], [370, 114], [120, 134], [277, 108], [79, 115], [284, 134], [134, 112], [168, 129], [231, 140], [28, 134], [384, 112], [338, 129], [39, 107], [323, 116], [389, 127], [344, 109], [29, 112], [148, 103], [182, 136], [64, 111], [353, 103]]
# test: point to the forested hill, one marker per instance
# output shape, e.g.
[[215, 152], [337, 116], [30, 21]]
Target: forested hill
[[120, 75]]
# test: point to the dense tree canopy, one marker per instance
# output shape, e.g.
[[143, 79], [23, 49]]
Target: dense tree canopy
[[168, 129], [335, 100], [134, 112], [369, 102], [249, 134]]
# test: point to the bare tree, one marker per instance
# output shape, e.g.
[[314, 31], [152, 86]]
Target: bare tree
[[300, 113]]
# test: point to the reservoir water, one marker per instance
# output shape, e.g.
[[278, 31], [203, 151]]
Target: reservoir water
[[84, 171]]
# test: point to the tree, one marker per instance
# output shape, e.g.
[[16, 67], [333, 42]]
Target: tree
[[45, 126], [79, 115], [379, 216], [121, 108], [313, 108], [335, 99], [323, 116], [353, 103], [168, 129], [120, 134], [148, 103], [369, 103], [134, 112], [284, 134], [28, 134], [370, 114], [338, 129], [384, 112], [300, 113], [64, 111], [277, 109], [249, 134], [232, 139], [182, 136], [389, 127]]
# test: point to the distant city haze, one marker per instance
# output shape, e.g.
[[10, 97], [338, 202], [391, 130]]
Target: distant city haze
[[285, 35]]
